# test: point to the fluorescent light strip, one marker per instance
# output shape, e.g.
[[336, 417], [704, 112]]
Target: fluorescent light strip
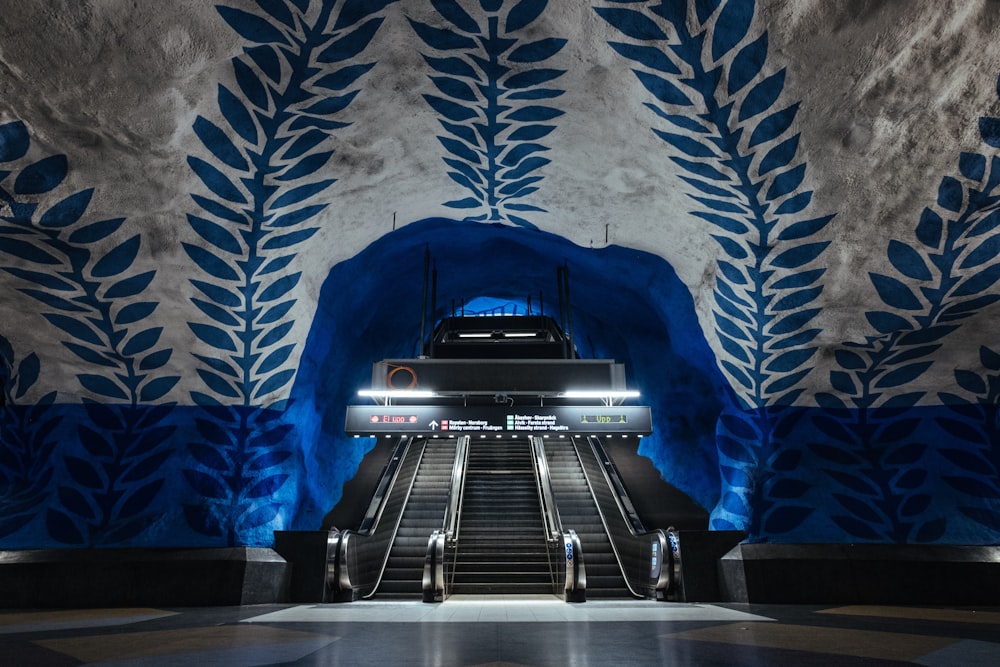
[[598, 393], [396, 393]]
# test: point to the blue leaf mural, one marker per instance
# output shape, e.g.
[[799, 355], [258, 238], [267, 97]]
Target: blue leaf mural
[[940, 280], [972, 457], [104, 499], [490, 85], [751, 193], [264, 162], [26, 441]]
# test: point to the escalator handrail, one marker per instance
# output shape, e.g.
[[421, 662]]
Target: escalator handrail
[[613, 480], [550, 512], [454, 509], [388, 478], [623, 504], [395, 527], [432, 584], [338, 578], [575, 586]]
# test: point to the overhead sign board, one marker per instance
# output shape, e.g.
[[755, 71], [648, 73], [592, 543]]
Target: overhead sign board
[[498, 420]]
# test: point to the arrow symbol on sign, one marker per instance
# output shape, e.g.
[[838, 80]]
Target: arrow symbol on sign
[[433, 424]]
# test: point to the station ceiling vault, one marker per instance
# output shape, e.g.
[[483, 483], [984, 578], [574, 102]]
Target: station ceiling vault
[[781, 215]]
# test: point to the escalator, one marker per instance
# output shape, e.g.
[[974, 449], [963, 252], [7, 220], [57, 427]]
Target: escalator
[[503, 516], [385, 555], [648, 560], [423, 514], [510, 517], [578, 510], [501, 545]]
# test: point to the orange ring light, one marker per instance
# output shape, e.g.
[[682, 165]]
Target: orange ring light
[[413, 377]]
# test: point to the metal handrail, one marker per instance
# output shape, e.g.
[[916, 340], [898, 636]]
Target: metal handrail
[[386, 482], [457, 488], [550, 519], [550, 511], [433, 582], [565, 542], [662, 574]]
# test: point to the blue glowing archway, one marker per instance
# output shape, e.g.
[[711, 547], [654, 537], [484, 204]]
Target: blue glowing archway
[[627, 305]]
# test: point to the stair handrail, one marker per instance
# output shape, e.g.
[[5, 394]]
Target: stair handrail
[[567, 542]]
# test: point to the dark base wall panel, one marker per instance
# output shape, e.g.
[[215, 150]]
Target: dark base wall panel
[[861, 574], [81, 578]]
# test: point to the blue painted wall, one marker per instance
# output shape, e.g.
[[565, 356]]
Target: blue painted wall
[[628, 305], [750, 427]]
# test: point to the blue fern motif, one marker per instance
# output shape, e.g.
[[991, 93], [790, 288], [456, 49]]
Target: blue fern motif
[[739, 158], [265, 154], [26, 442], [239, 474], [762, 493], [939, 281], [878, 462], [973, 430], [91, 299], [489, 102]]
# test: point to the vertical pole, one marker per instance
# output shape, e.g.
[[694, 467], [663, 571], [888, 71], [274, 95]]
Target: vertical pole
[[423, 307], [571, 353], [434, 296], [561, 281]]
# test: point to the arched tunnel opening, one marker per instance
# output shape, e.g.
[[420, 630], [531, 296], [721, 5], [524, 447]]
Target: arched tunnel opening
[[626, 305]]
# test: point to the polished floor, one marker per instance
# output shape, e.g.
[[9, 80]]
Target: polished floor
[[503, 632]]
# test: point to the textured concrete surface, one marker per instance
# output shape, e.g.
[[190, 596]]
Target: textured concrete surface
[[890, 95], [211, 209]]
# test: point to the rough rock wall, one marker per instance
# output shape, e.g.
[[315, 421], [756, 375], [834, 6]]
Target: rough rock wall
[[180, 181]]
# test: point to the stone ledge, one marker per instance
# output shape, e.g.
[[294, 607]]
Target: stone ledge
[[48, 578], [860, 574]]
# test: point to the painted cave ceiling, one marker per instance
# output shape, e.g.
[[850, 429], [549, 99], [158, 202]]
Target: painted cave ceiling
[[638, 124], [762, 203]]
